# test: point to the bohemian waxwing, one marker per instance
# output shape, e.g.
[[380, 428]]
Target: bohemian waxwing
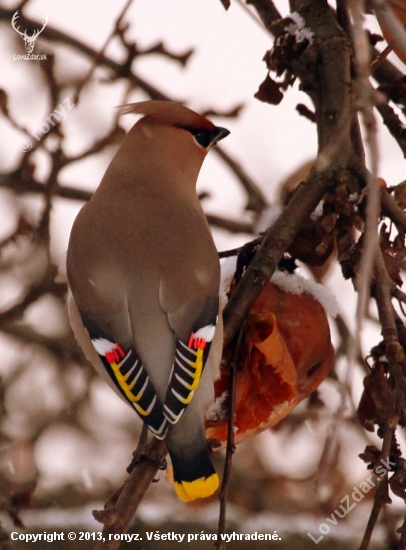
[[144, 277]]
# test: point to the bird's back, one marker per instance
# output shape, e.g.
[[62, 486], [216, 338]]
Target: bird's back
[[151, 273]]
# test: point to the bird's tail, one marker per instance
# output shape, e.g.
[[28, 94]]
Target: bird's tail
[[194, 475]]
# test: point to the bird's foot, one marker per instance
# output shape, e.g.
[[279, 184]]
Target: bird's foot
[[144, 451]]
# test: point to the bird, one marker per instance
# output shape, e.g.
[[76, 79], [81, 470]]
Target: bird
[[144, 276]]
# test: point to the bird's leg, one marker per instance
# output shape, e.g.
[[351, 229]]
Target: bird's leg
[[140, 450], [144, 450]]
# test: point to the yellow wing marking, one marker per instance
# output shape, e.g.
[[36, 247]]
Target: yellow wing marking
[[145, 413], [122, 380]]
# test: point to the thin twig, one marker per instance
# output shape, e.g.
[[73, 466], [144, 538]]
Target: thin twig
[[399, 295], [345, 336], [392, 209], [256, 199], [268, 14], [34, 293], [99, 56], [24, 185], [393, 351], [381, 498], [390, 79], [54, 35], [11, 181], [229, 253], [230, 450], [366, 104], [379, 59], [393, 124], [388, 20]]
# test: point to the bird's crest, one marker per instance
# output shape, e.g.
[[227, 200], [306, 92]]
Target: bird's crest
[[167, 113]]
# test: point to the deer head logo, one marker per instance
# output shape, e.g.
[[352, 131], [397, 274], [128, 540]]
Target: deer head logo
[[29, 40]]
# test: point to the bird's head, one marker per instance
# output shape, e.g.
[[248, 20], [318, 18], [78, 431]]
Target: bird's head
[[169, 139]]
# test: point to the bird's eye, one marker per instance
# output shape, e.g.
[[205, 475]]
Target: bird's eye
[[207, 138], [203, 137]]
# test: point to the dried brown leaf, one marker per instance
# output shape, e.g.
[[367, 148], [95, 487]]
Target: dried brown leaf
[[392, 268], [398, 484], [400, 194], [269, 92]]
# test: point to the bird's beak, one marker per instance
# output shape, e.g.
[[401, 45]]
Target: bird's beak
[[218, 134]]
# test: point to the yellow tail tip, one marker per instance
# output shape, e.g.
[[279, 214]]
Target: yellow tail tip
[[199, 488]]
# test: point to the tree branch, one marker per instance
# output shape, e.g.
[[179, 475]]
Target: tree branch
[[20, 186], [392, 209], [118, 512], [230, 449], [396, 387], [388, 20], [332, 49], [256, 199], [393, 124], [268, 14]]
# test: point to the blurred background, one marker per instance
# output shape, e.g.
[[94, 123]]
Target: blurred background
[[65, 438]]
